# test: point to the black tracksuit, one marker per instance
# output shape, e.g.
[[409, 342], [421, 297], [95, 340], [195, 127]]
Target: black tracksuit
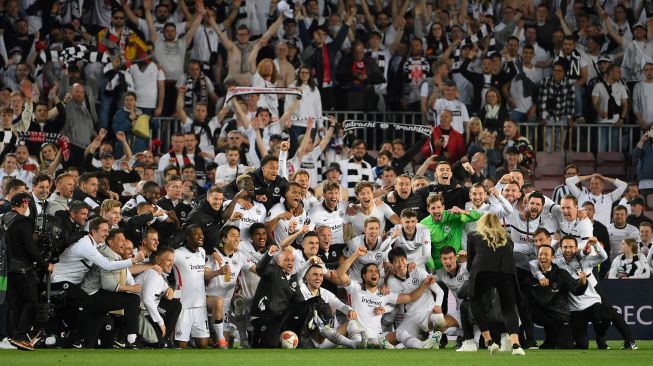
[[273, 191]]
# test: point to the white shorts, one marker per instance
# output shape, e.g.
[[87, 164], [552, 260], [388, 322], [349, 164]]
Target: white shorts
[[355, 327], [415, 323], [456, 315], [192, 322]]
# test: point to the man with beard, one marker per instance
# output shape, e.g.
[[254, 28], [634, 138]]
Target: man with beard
[[220, 289], [511, 192], [243, 203], [87, 190], [376, 249], [303, 178], [254, 246], [330, 212], [588, 306], [570, 223], [173, 202], [445, 226], [329, 253], [422, 316], [141, 219], [367, 208], [369, 302], [453, 196], [355, 169], [269, 187], [191, 271], [619, 230], [286, 213], [405, 198], [550, 304], [413, 238], [453, 275]]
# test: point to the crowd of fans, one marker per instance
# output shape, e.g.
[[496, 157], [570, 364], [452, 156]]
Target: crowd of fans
[[263, 216]]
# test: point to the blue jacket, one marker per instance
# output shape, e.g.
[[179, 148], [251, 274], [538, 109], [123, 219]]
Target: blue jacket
[[643, 159]]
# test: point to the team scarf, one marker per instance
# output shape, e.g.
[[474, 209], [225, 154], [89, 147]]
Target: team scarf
[[69, 56], [10, 138], [198, 88], [485, 31], [351, 125], [245, 90]]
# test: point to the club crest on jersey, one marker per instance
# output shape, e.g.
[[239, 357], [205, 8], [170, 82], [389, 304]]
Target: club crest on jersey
[[447, 228], [333, 253], [415, 281], [258, 211], [276, 190], [293, 285], [342, 214], [234, 262], [460, 278], [378, 256]]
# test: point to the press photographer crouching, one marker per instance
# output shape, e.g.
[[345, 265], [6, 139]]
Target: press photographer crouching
[[24, 263]]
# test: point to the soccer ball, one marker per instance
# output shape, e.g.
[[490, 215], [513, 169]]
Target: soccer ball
[[289, 339]]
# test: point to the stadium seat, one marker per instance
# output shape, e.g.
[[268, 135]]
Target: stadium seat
[[549, 164], [649, 201], [649, 214], [547, 184], [612, 171], [583, 160], [603, 158]]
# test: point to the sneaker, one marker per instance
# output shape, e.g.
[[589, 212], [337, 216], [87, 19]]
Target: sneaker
[[629, 346], [131, 346], [21, 345], [221, 344], [506, 344], [5, 344], [433, 342], [383, 342], [468, 346], [79, 344], [119, 345], [459, 342], [494, 348], [360, 344], [518, 352], [530, 345], [601, 343]]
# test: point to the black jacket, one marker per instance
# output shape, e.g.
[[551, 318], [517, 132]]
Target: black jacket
[[135, 226], [482, 258], [416, 201], [553, 298], [452, 196], [116, 177], [345, 77], [275, 291], [21, 247], [79, 195], [273, 191], [478, 80], [210, 221]]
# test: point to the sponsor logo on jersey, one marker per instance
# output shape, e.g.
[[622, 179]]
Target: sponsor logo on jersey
[[196, 267], [371, 302]]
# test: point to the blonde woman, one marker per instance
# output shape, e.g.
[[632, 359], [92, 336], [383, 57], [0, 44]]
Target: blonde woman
[[473, 130], [50, 159], [491, 265], [493, 112]]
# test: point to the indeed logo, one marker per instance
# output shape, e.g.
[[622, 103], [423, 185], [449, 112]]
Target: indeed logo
[[197, 267], [371, 302]]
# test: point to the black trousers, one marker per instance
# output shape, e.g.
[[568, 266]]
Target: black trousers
[[505, 285], [610, 315], [96, 306], [524, 304], [579, 321], [172, 309], [22, 294], [557, 333], [267, 329]]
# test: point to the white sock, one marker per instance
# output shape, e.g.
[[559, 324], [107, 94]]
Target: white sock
[[131, 338], [219, 329], [336, 338], [408, 341]]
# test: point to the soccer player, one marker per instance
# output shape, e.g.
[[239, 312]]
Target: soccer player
[[290, 210], [483, 201], [376, 249], [330, 212], [413, 237], [422, 316], [243, 203], [190, 273], [369, 302], [570, 223], [366, 208], [220, 289]]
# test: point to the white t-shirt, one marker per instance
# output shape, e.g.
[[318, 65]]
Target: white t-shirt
[[364, 303], [418, 249], [619, 93], [224, 174], [248, 281], [189, 276], [145, 84], [321, 217], [413, 281], [255, 214], [457, 108], [281, 229]]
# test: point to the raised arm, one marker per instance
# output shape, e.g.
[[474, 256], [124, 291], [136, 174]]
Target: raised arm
[[343, 268], [130, 14], [413, 296], [200, 11], [226, 42], [147, 5], [329, 134], [181, 113], [274, 28]]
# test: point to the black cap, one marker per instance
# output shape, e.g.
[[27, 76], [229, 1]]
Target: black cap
[[19, 199], [512, 150], [637, 201], [106, 155], [276, 136], [333, 166]]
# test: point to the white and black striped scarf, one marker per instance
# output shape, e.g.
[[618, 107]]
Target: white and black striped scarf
[[70, 55], [198, 88]]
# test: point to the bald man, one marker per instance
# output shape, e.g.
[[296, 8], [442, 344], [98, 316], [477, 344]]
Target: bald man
[[80, 120]]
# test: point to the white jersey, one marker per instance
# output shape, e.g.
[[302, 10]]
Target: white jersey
[[357, 221], [248, 281], [602, 203], [309, 202], [154, 286], [281, 229], [582, 230], [375, 256], [189, 276], [237, 263], [617, 235], [327, 296], [498, 206], [414, 280], [320, 216], [454, 283], [522, 231], [364, 302], [418, 249], [255, 214]]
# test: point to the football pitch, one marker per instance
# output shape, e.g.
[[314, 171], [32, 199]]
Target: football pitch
[[333, 357]]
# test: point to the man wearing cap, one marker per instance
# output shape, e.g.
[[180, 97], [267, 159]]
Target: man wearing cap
[[637, 208], [22, 254], [637, 51], [117, 177]]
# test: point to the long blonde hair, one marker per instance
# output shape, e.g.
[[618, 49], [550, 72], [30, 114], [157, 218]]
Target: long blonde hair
[[490, 229]]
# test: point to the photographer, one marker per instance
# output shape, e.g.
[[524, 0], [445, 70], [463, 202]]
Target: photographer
[[22, 277]]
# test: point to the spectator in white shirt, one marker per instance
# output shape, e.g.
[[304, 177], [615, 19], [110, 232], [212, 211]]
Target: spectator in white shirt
[[224, 174], [643, 98], [602, 202], [311, 103]]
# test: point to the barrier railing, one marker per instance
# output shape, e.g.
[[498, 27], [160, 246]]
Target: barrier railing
[[581, 138]]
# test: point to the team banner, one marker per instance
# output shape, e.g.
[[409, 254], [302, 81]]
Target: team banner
[[351, 125], [245, 90]]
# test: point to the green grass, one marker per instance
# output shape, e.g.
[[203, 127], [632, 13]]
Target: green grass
[[334, 357]]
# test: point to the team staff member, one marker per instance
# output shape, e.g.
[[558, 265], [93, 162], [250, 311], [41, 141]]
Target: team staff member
[[22, 253], [550, 299], [491, 264], [269, 187]]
